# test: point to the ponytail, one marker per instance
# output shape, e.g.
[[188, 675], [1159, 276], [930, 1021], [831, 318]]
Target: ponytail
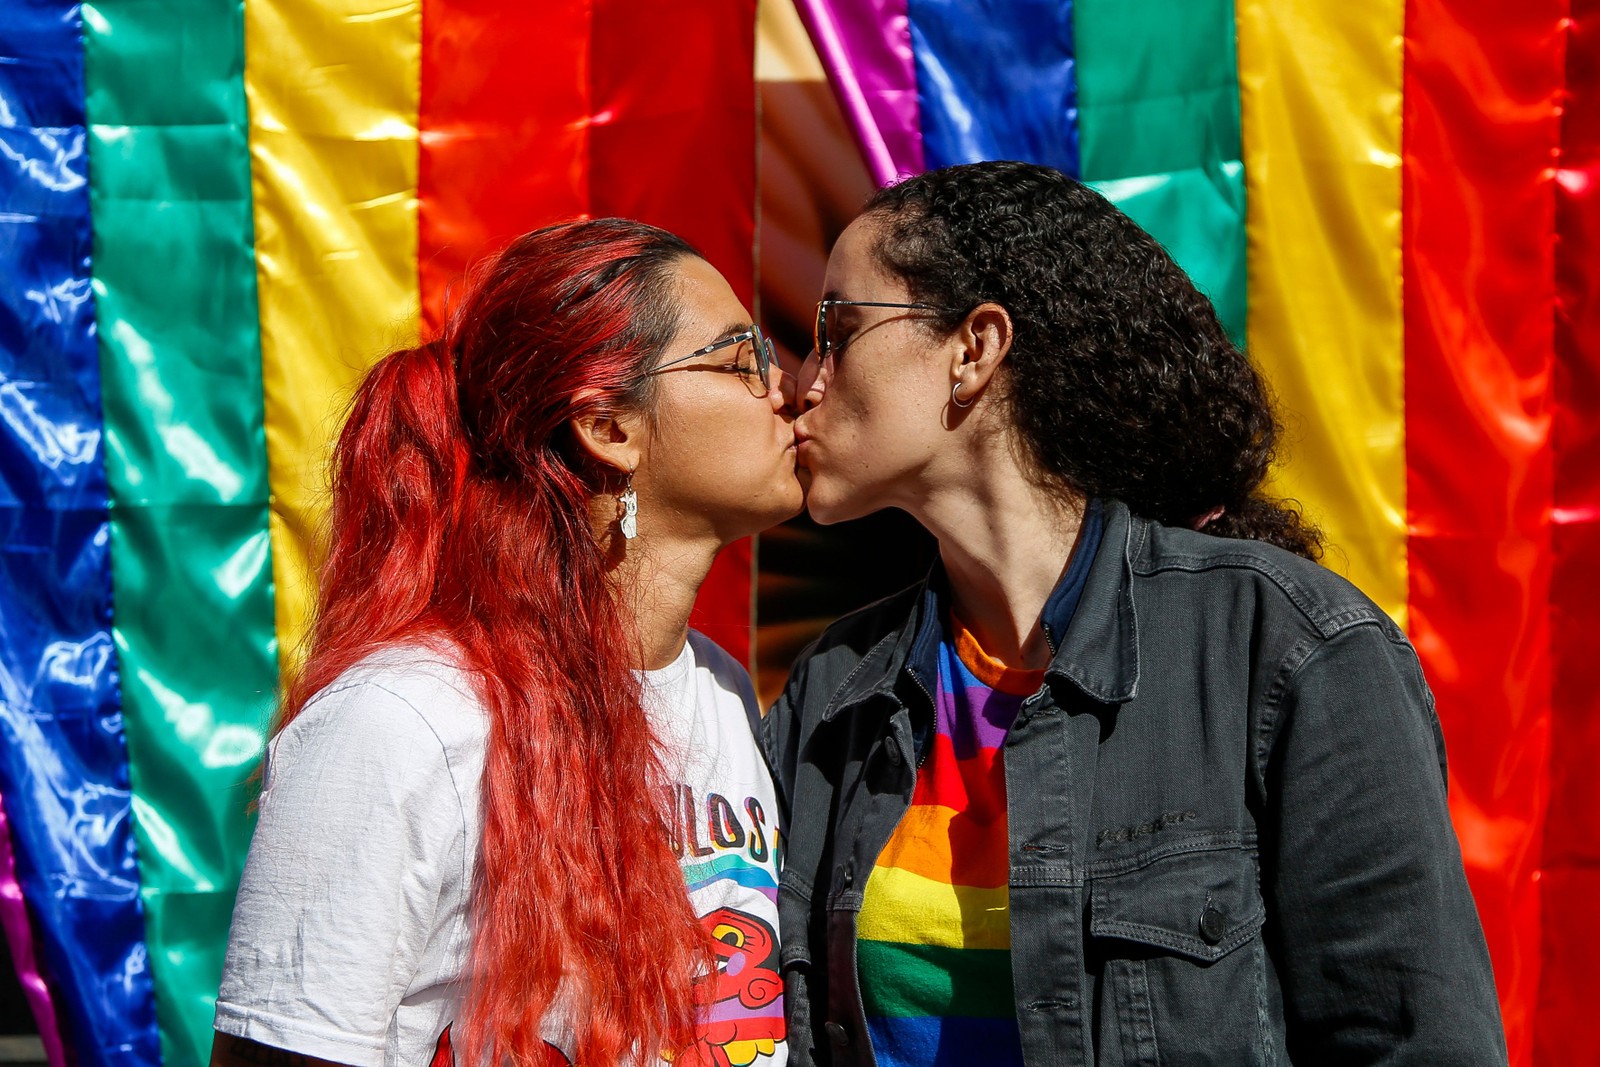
[[461, 517]]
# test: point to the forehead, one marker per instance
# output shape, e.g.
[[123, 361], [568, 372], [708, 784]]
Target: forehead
[[708, 303], [854, 270]]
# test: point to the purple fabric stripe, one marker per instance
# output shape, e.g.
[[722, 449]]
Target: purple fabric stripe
[[19, 937], [973, 716], [865, 47]]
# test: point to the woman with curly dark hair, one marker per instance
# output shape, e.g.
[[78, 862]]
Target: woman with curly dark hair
[[1130, 779]]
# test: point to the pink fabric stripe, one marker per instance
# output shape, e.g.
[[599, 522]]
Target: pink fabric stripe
[[865, 47], [19, 936]]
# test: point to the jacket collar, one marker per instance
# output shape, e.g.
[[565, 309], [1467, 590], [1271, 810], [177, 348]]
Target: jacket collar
[[1099, 652]]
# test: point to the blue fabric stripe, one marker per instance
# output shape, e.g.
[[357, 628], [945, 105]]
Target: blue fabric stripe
[[63, 761], [950, 1042], [996, 80]]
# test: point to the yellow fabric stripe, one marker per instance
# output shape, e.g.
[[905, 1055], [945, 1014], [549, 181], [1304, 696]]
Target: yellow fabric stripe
[[784, 52], [332, 87], [1320, 85], [912, 910]]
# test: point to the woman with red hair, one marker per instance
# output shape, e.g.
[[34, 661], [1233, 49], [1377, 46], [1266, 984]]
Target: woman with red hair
[[506, 752]]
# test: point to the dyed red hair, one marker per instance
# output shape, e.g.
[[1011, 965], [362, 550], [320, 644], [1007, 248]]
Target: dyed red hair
[[461, 512]]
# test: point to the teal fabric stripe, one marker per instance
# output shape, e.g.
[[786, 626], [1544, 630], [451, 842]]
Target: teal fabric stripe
[[1158, 114], [175, 285]]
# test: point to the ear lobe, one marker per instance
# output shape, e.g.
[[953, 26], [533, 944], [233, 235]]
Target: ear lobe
[[986, 337]]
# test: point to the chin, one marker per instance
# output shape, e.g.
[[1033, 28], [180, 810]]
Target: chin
[[825, 511]]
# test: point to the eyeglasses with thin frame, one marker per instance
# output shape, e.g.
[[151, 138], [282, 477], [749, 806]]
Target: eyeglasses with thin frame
[[819, 333], [760, 345]]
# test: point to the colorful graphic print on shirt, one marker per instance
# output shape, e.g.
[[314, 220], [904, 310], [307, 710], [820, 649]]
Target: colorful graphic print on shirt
[[934, 947], [730, 856]]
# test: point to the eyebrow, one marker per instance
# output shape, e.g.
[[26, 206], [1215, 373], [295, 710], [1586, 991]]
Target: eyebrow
[[729, 331]]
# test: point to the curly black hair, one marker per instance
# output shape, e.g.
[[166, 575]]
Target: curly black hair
[[1124, 383]]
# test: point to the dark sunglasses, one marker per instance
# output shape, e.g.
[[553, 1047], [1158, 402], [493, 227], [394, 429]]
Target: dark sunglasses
[[759, 368], [826, 345]]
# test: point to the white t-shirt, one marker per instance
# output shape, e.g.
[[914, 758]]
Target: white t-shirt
[[351, 929]]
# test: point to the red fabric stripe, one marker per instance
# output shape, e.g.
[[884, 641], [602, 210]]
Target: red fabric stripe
[[1482, 82], [1571, 882], [673, 143], [503, 134], [976, 784], [535, 112]]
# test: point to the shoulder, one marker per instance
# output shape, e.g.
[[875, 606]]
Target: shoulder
[[725, 671], [1221, 568], [401, 706], [859, 632], [854, 646]]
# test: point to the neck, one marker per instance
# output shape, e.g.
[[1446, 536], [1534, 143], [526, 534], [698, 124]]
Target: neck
[[1005, 542], [660, 575]]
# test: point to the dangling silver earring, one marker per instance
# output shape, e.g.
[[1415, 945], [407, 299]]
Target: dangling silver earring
[[630, 510], [956, 400]]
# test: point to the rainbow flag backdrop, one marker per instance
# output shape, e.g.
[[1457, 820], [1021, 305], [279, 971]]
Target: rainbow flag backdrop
[[214, 215]]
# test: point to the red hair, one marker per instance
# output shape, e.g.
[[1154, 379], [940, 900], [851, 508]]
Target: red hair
[[461, 511]]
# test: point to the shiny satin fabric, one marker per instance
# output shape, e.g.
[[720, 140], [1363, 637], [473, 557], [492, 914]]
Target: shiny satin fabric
[[621, 121], [63, 762], [503, 140], [1158, 116], [1570, 866], [187, 469], [1322, 173], [332, 87], [996, 80], [674, 88], [14, 921], [1198, 215], [865, 47], [1483, 100]]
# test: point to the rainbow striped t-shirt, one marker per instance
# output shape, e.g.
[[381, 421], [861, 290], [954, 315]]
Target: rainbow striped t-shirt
[[934, 934]]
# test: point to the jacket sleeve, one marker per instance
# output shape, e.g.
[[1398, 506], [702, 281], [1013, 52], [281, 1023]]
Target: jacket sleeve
[[1380, 952]]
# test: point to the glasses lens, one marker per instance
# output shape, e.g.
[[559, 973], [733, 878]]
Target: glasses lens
[[750, 361], [764, 357], [819, 330]]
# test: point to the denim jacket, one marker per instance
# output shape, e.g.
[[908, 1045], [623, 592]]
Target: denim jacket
[[1229, 842]]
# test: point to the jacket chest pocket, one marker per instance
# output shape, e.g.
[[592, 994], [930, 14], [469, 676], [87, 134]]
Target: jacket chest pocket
[[1182, 970]]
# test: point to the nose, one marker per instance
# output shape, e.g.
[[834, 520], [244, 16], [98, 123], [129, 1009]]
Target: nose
[[809, 383], [780, 389]]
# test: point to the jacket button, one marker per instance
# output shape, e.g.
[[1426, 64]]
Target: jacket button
[[837, 1034], [1213, 923]]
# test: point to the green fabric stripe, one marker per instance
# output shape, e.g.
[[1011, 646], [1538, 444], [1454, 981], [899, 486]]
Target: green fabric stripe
[[918, 981], [175, 285], [1158, 113]]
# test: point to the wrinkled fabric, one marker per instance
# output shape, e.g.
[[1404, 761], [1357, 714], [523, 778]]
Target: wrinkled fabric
[[1228, 836], [996, 80], [1158, 121], [19, 940], [1571, 862], [186, 466], [866, 49], [63, 761], [1321, 132], [333, 96], [1484, 98]]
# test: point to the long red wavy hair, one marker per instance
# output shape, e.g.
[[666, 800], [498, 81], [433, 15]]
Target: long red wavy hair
[[461, 512]]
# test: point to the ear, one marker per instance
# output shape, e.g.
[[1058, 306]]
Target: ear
[[985, 339], [613, 440]]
